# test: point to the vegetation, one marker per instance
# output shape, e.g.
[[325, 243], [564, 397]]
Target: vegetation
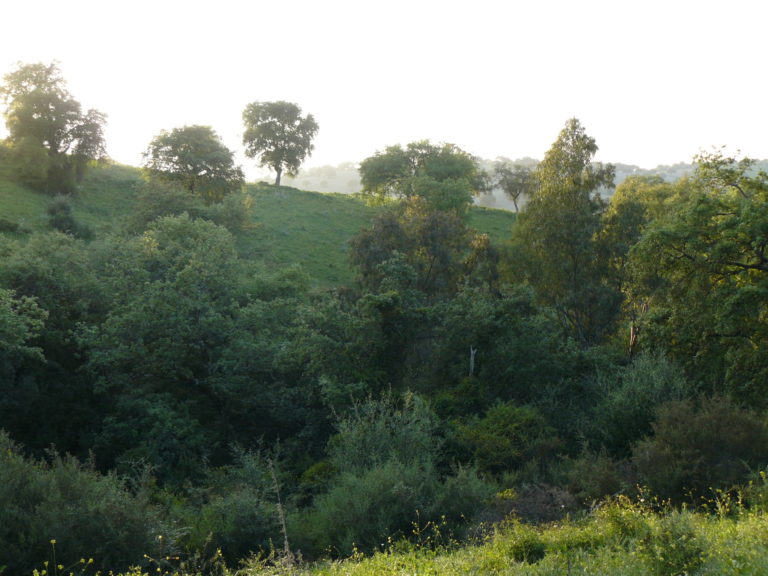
[[313, 383], [278, 135], [51, 139], [194, 158]]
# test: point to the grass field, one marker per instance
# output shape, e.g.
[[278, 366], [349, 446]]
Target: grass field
[[289, 226]]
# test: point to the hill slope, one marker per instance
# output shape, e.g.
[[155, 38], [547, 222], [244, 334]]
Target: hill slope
[[288, 226]]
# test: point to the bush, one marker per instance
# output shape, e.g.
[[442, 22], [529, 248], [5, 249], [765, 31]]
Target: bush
[[86, 514], [673, 547], [695, 450], [386, 458], [506, 437], [630, 397], [592, 477], [238, 512], [60, 218]]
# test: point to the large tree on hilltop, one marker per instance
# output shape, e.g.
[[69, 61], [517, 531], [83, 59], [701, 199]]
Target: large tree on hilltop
[[51, 138], [277, 134], [195, 158], [444, 175]]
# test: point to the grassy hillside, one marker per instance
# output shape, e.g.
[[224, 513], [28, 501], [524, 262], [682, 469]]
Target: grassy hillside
[[289, 226]]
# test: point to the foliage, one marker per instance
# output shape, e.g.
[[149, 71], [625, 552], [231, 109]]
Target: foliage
[[506, 437], [386, 454], [556, 237], [235, 509], [630, 396], [195, 158], [444, 176], [278, 135], [431, 242], [52, 138], [84, 514], [515, 180], [55, 271], [60, 218], [702, 271], [21, 320], [693, 451]]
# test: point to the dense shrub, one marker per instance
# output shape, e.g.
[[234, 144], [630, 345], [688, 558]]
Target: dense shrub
[[86, 514], [235, 510], [507, 436], [697, 449], [630, 396], [387, 457], [60, 218]]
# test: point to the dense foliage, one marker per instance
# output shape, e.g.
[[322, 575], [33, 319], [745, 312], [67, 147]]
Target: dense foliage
[[51, 138], [163, 374]]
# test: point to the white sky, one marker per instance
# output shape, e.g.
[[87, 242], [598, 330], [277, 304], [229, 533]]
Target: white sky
[[652, 81]]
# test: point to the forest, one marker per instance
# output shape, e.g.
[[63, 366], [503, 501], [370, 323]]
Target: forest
[[181, 390]]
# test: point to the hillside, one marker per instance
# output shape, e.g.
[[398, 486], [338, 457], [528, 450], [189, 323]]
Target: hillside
[[289, 226]]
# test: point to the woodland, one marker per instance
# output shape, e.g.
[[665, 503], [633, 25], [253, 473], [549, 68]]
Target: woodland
[[197, 371]]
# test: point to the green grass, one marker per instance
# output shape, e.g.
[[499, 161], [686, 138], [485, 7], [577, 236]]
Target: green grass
[[307, 228], [618, 540], [289, 226]]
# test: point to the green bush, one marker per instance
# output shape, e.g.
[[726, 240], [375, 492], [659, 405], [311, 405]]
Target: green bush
[[591, 477], [630, 397], [505, 438], [386, 457], [86, 514], [60, 218], [673, 545], [697, 449]]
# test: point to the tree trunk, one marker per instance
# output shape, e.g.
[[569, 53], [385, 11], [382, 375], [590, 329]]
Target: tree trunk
[[279, 171]]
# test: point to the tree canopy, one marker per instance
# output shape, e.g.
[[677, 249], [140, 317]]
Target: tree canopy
[[278, 135], [52, 139], [557, 233], [444, 175], [195, 158]]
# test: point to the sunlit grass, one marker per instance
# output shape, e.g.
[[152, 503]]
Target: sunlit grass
[[289, 226]]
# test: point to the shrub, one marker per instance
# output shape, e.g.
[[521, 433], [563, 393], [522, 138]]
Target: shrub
[[506, 437], [695, 450], [386, 458], [85, 513], [60, 218], [673, 546], [591, 477], [630, 397]]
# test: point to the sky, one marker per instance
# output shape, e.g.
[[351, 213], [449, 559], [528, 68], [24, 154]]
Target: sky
[[654, 82]]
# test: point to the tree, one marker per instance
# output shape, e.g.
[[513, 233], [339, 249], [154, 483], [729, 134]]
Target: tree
[[277, 134], [702, 268], [556, 236], [42, 115], [444, 175], [515, 180], [195, 158]]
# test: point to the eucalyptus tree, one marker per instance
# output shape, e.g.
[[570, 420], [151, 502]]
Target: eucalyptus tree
[[556, 236]]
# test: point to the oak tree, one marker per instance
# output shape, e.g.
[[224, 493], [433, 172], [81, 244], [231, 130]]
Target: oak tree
[[195, 158], [52, 139], [278, 135]]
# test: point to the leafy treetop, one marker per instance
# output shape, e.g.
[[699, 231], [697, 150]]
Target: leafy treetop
[[48, 129], [277, 134], [195, 158], [445, 175]]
